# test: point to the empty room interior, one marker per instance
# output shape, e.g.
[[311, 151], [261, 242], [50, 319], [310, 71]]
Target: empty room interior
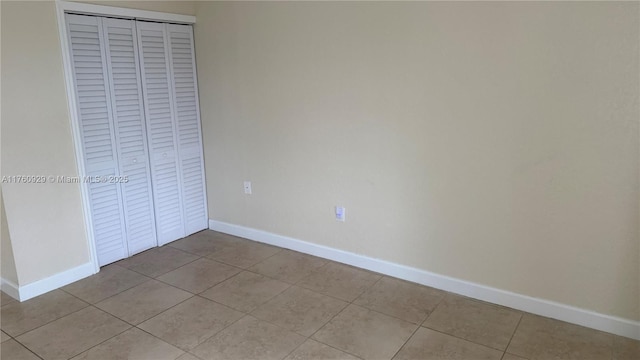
[[202, 180]]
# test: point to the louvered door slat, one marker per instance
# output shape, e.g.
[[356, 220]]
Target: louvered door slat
[[98, 136], [161, 131], [187, 115], [130, 129]]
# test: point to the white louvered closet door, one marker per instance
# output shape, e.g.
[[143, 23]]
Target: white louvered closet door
[[161, 131], [130, 132], [187, 116], [98, 135]]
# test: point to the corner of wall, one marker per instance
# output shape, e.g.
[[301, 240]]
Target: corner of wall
[[8, 274]]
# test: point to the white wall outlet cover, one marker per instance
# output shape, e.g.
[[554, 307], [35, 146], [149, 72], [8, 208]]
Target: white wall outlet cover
[[341, 213], [247, 187]]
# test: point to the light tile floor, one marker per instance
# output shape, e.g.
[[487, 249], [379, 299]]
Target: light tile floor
[[215, 296]]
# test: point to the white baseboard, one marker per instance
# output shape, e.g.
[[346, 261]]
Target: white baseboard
[[574, 315], [28, 291], [9, 288]]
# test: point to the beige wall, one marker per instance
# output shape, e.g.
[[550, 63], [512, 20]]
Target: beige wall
[[491, 142], [45, 221], [7, 263]]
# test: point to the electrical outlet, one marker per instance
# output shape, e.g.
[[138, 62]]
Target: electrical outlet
[[341, 213], [247, 187]]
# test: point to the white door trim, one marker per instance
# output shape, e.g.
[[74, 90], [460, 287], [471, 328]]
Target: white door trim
[[123, 13], [63, 7]]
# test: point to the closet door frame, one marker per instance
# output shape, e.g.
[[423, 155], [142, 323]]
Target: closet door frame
[[63, 7]]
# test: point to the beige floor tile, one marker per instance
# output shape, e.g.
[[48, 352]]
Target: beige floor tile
[[199, 275], [625, 348], [133, 344], [365, 333], [187, 356], [12, 350], [340, 281], [402, 299], [143, 301], [543, 338], [508, 356], [243, 253], [202, 243], [247, 339], [5, 299], [480, 322], [313, 350], [19, 317], [245, 291], [300, 310], [188, 324], [288, 266], [429, 344], [111, 280], [72, 334], [4, 337], [157, 261]]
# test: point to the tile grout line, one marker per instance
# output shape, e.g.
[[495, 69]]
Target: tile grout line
[[189, 291], [89, 305], [156, 276], [164, 341], [49, 322], [434, 308], [324, 324], [458, 337], [196, 295], [463, 339], [368, 309], [181, 266], [298, 284], [422, 324], [406, 342], [114, 295], [295, 348], [514, 334], [419, 326], [217, 332], [310, 337], [24, 346], [258, 262], [338, 313], [259, 305], [131, 326], [325, 262], [111, 337], [110, 296]]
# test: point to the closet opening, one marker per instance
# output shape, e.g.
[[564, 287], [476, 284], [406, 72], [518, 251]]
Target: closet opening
[[133, 96]]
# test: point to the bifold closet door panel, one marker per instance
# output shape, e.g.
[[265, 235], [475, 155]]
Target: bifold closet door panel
[[97, 135], [130, 130], [187, 114], [161, 131]]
